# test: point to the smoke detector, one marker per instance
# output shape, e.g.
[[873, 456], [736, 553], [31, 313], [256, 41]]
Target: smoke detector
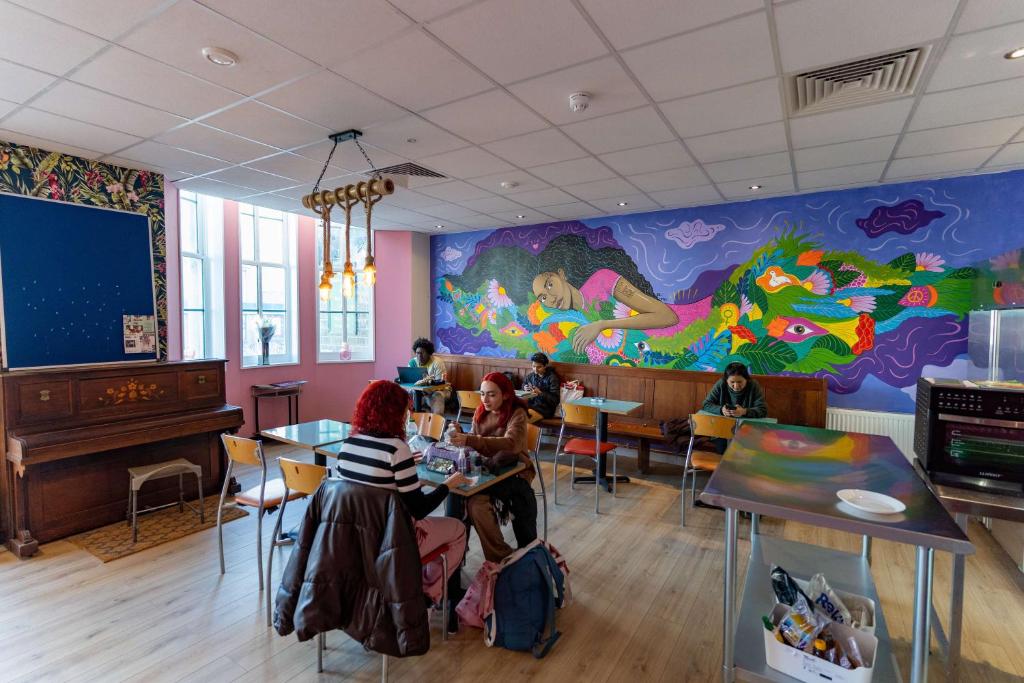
[[220, 56], [579, 101]]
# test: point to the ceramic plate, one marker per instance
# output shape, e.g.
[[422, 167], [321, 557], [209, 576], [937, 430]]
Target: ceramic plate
[[869, 501]]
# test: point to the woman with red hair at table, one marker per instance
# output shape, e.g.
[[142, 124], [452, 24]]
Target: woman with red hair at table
[[499, 435]]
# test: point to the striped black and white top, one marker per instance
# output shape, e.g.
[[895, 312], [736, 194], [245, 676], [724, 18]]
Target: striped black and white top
[[387, 463]]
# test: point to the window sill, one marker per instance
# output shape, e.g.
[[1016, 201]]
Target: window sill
[[272, 365], [345, 362]]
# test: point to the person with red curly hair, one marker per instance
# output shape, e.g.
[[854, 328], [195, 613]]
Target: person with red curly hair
[[376, 454]]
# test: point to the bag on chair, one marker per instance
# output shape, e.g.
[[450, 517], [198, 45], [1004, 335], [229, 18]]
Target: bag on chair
[[514, 601], [571, 390]]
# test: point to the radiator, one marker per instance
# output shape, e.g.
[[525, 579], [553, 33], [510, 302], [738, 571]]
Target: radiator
[[897, 426]]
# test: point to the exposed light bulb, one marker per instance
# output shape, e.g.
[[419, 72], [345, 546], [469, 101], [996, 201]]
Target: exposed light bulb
[[623, 203], [370, 272], [325, 287], [755, 187], [348, 280]]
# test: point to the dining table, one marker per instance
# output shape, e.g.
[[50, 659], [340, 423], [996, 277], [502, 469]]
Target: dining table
[[311, 435], [604, 407]]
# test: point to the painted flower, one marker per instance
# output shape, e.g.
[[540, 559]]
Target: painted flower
[[920, 296], [745, 305], [860, 303], [1011, 259], [536, 313], [92, 178], [865, 334], [730, 314], [497, 295], [623, 311], [114, 188], [546, 341], [513, 329], [55, 189], [743, 333], [133, 197], [928, 261], [810, 258], [610, 340], [858, 281], [818, 282], [595, 355]]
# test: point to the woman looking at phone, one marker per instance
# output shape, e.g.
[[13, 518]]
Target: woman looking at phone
[[737, 394], [543, 385]]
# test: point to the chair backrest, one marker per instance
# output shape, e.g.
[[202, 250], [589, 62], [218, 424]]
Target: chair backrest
[[429, 424], [533, 439], [240, 449], [582, 416], [717, 426], [469, 400], [301, 476]]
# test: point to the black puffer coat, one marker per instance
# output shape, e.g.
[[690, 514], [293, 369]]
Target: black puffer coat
[[356, 567]]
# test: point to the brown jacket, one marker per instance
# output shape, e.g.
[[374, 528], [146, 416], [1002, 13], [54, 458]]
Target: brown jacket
[[502, 446], [356, 567]]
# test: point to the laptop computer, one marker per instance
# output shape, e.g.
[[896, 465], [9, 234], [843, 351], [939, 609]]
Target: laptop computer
[[410, 375]]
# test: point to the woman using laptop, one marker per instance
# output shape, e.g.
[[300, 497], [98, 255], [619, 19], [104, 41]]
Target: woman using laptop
[[434, 374]]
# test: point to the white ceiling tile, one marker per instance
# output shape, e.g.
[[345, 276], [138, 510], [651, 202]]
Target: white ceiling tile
[[753, 141], [631, 23], [847, 175], [542, 198], [425, 10], [426, 138], [407, 199], [1011, 154], [976, 103], [295, 194], [333, 102], [523, 182], [415, 72], [47, 145], [469, 162], [844, 154], [347, 156], [660, 157], [48, 126], [269, 126], [820, 32], [448, 211], [384, 214], [985, 13], [318, 29], [269, 200], [727, 54], [571, 172], [533, 149], [299, 169], [609, 86], [43, 44], [6, 107], [511, 41], [738, 107], [102, 109], [214, 188], [947, 162], [520, 216], [770, 186], [209, 141], [141, 79], [634, 202], [872, 121], [247, 177], [669, 180], [479, 221], [954, 138], [570, 211], [455, 191], [491, 204], [104, 18], [485, 117], [164, 156], [690, 196], [601, 189], [168, 175], [979, 58], [21, 82], [179, 35], [625, 130], [750, 167]]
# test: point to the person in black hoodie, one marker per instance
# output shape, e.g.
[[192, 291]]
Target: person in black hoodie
[[544, 387]]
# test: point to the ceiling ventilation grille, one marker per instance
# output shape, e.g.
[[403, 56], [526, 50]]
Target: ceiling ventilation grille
[[864, 81], [409, 169]]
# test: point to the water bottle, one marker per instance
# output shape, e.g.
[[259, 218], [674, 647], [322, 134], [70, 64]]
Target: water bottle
[[464, 465]]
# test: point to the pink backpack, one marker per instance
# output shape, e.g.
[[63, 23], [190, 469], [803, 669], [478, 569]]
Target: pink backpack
[[478, 603]]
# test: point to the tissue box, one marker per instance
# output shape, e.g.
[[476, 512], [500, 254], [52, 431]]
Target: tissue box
[[811, 669]]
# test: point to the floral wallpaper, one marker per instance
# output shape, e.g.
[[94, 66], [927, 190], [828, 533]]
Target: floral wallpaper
[[868, 287], [38, 173]]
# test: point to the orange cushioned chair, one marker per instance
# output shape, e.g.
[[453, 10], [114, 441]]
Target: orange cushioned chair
[[702, 424]]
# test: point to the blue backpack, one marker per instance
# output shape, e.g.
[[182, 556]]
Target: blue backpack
[[528, 590]]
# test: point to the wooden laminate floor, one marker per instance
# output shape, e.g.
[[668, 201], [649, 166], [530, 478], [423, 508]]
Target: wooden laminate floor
[[647, 606]]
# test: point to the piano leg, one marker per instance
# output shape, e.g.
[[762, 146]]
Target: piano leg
[[21, 542]]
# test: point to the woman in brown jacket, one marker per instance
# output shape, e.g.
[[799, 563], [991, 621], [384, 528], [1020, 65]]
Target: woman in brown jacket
[[499, 435]]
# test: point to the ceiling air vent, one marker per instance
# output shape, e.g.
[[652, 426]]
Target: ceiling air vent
[[864, 81], [409, 169]]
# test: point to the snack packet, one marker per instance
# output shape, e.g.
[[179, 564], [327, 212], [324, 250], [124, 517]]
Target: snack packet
[[825, 599]]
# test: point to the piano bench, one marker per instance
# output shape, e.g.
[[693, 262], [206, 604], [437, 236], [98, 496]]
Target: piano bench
[[140, 475]]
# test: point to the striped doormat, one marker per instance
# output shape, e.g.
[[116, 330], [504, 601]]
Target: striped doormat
[[115, 540]]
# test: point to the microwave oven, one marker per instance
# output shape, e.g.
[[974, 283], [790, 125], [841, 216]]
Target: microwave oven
[[971, 434]]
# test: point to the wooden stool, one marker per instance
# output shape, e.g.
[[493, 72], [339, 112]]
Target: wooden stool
[[140, 475]]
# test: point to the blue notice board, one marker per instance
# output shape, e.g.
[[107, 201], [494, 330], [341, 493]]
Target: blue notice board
[[69, 273]]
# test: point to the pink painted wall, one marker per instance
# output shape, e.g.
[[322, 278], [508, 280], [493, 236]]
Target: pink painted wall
[[332, 388], [173, 272]]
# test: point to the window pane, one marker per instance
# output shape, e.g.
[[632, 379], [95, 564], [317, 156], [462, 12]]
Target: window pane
[[191, 282], [249, 288], [189, 227], [278, 343], [274, 288], [271, 236], [192, 335], [250, 334], [246, 237]]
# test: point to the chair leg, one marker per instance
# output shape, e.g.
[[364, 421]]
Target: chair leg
[[259, 544], [444, 597], [597, 488], [543, 495], [200, 500], [615, 473], [220, 514], [682, 490], [384, 669], [572, 472], [755, 525], [135, 516], [554, 478], [321, 644], [270, 558], [128, 510]]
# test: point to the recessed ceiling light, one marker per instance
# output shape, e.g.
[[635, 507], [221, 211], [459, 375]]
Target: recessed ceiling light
[[438, 226], [1015, 54], [623, 203], [508, 184], [519, 215], [411, 141], [220, 56], [755, 187]]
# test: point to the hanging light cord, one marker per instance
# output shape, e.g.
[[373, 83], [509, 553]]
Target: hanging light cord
[[316, 188], [375, 173]]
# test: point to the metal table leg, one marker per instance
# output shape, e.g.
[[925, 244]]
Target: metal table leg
[[729, 600], [865, 548], [922, 589], [601, 435], [956, 609]]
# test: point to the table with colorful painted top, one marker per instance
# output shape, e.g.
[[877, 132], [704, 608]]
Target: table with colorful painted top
[[604, 407], [794, 473], [311, 435]]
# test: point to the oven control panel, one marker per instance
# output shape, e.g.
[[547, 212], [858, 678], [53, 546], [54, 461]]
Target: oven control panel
[[990, 404]]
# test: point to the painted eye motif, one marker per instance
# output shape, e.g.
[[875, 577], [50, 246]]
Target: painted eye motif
[[795, 329]]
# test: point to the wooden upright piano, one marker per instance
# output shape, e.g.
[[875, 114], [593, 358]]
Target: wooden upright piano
[[70, 435]]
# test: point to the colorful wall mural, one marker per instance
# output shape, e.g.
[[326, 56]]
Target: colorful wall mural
[[867, 287], [38, 173]]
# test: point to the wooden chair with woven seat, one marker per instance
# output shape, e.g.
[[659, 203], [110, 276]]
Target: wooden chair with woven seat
[[580, 418], [468, 400], [702, 424], [533, 434], [430, 425], [266, 496], [300, 479]]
